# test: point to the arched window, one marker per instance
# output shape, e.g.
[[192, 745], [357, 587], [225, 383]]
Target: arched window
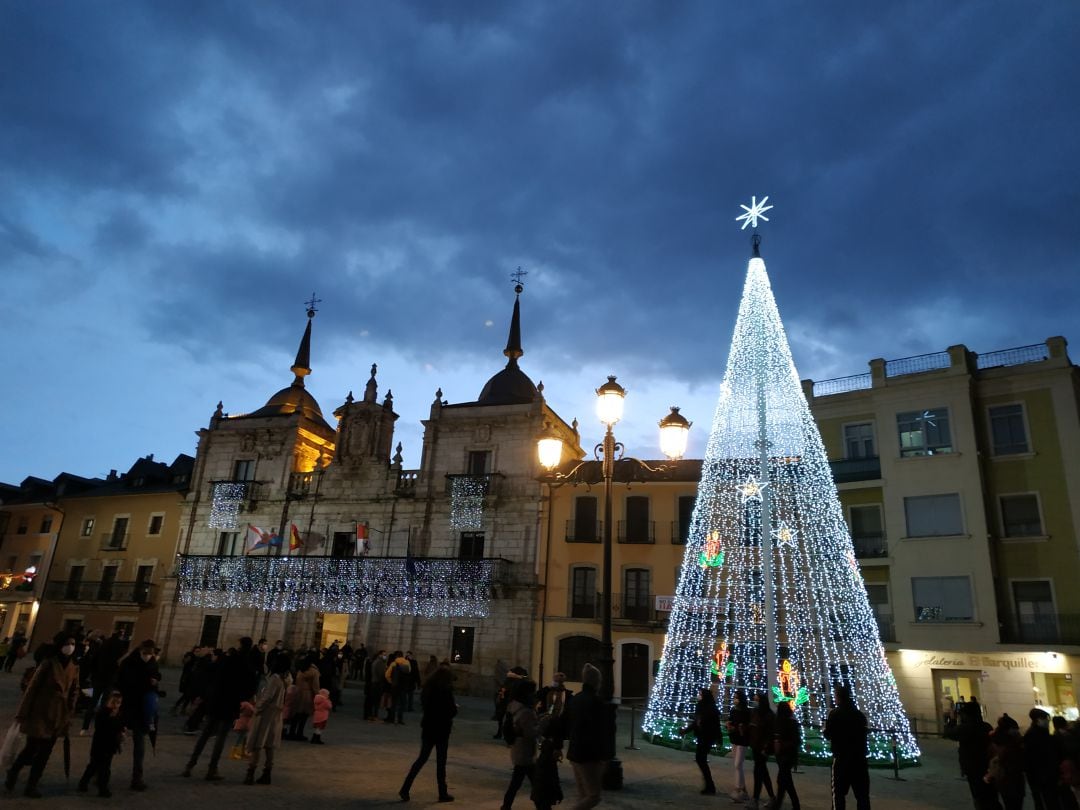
[[577, 651]]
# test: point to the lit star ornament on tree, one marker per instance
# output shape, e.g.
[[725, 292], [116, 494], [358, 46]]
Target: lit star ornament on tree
[[755, 211], [789, 602]]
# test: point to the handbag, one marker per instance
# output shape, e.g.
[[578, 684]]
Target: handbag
[[14, 741]]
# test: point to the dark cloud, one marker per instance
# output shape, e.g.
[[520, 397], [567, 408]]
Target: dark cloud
[[217, 161]]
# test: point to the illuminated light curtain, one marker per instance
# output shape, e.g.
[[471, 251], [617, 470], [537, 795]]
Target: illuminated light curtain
[[226, 497], [825, 632], [467, 501], [380, 586]]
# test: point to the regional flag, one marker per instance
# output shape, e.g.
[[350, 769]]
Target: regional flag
[[363, 545], [294, 538], [255, 538]]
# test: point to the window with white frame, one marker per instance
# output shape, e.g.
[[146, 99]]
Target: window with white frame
[[1034, 601], [859, 440], [1020, 515], [244, 469], [924, 433], [934, 515], [942, 599], [1008, 433]]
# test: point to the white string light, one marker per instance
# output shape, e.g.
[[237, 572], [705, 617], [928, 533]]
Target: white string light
[[826, 633], [467, 501], [226, 498], [381, 586]]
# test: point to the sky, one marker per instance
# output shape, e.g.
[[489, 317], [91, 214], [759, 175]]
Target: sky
[[177, 178]]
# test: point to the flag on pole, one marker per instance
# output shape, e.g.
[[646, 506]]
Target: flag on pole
[[255, 538], [363, 545], [273, 538], [294, 538]]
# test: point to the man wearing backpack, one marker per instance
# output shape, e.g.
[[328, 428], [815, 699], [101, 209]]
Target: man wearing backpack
[[520, 732]]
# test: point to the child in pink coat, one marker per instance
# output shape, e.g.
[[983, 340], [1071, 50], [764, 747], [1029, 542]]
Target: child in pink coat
[[321, 715]]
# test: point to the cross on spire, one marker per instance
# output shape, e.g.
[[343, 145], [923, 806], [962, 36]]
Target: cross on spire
[[310, 304], [517, 277]]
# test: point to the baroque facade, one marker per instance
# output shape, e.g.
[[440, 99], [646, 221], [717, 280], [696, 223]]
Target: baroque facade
[[389, 556]]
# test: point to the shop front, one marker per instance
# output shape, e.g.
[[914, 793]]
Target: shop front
[[933, 683]]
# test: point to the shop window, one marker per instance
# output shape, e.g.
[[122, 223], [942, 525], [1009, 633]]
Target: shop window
[[934, 515], [942, 599]]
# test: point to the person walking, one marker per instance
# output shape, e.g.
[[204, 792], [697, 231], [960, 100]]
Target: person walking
[[762, 728], [973, 750], [45, 710], [307, 686], [706, 729], [1005, 771], [787, 745], [845, 729], [266, 724], [551, 703], [1041, 763], [520, 733], [436, 722], [591, 734], [399, 679], [738, 724], [137, 679], [105, 744], [320, 715]]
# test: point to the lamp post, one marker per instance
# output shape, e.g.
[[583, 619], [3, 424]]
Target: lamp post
[[674, 430]]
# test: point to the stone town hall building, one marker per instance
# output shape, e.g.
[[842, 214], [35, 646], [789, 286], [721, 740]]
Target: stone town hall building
[[449, 563]]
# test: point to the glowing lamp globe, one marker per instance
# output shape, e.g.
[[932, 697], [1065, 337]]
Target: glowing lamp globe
[[549, 449], [674, 432], [609, 401]]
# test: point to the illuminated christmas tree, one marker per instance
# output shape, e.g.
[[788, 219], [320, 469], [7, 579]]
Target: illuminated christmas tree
[[770, 598]]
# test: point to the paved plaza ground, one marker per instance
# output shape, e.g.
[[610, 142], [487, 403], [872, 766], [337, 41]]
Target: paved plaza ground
[[362, 765]]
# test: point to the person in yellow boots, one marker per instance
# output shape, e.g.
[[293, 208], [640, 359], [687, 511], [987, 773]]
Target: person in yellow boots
[[241, 726]]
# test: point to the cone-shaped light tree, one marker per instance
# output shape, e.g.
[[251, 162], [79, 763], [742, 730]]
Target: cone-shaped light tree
[[770, 598]]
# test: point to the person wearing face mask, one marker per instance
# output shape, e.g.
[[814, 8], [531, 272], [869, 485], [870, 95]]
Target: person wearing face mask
[[45, 711], [137, 679]]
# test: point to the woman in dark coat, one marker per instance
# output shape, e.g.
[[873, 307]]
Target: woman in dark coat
[[788, 743], [439, 710], [706, 728]]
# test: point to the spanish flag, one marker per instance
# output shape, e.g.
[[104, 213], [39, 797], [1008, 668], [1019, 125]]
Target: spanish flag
[[294, 538]]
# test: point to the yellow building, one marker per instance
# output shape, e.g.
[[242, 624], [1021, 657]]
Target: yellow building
[[960, 480], [652, 516], [30, 522], [117, 541]]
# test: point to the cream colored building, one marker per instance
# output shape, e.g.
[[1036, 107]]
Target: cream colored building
[[115, 546], [960, 479]]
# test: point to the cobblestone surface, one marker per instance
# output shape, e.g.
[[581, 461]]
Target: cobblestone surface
[[362, 765]]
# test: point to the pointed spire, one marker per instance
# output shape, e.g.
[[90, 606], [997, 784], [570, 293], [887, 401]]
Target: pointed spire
[[513, 348], [302, 365], [388, 402]]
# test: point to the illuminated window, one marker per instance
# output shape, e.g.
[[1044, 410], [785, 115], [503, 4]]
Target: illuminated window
[[924, 433], [942, 599], [461, 645]]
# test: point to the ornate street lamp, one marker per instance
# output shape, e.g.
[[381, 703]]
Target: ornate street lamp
[[674, 429]]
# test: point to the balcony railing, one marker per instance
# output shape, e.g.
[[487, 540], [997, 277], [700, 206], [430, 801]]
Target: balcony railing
[[101, 591], [848, 470], [114, 541], [301, 484], [869, 547], [636, 608], [406, 482], [678, 536], [1053, 628], [634, 531], [401, 586], [584, 531], [585, 608]]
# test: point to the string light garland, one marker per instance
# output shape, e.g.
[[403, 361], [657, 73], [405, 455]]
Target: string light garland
[[226, 497], [385, 586], [467, 501], [767, 503]]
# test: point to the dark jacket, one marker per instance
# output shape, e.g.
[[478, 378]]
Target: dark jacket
[[845, 729], [108, 733], [135, 679], [437, 702], [706, 723], [788, 741], [590, 727], [1041, 761], [973, 737], [229, 684], [739, 725]]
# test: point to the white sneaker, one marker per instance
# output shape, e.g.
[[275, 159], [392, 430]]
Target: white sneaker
[[84, 732]]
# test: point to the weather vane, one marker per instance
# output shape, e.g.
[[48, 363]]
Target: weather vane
[[517, 277], [755, 211], [311, 305]]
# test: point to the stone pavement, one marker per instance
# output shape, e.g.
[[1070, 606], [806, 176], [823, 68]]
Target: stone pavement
[[362, 766]]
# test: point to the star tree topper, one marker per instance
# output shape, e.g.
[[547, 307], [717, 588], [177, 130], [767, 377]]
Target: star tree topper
[[755, 211]]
